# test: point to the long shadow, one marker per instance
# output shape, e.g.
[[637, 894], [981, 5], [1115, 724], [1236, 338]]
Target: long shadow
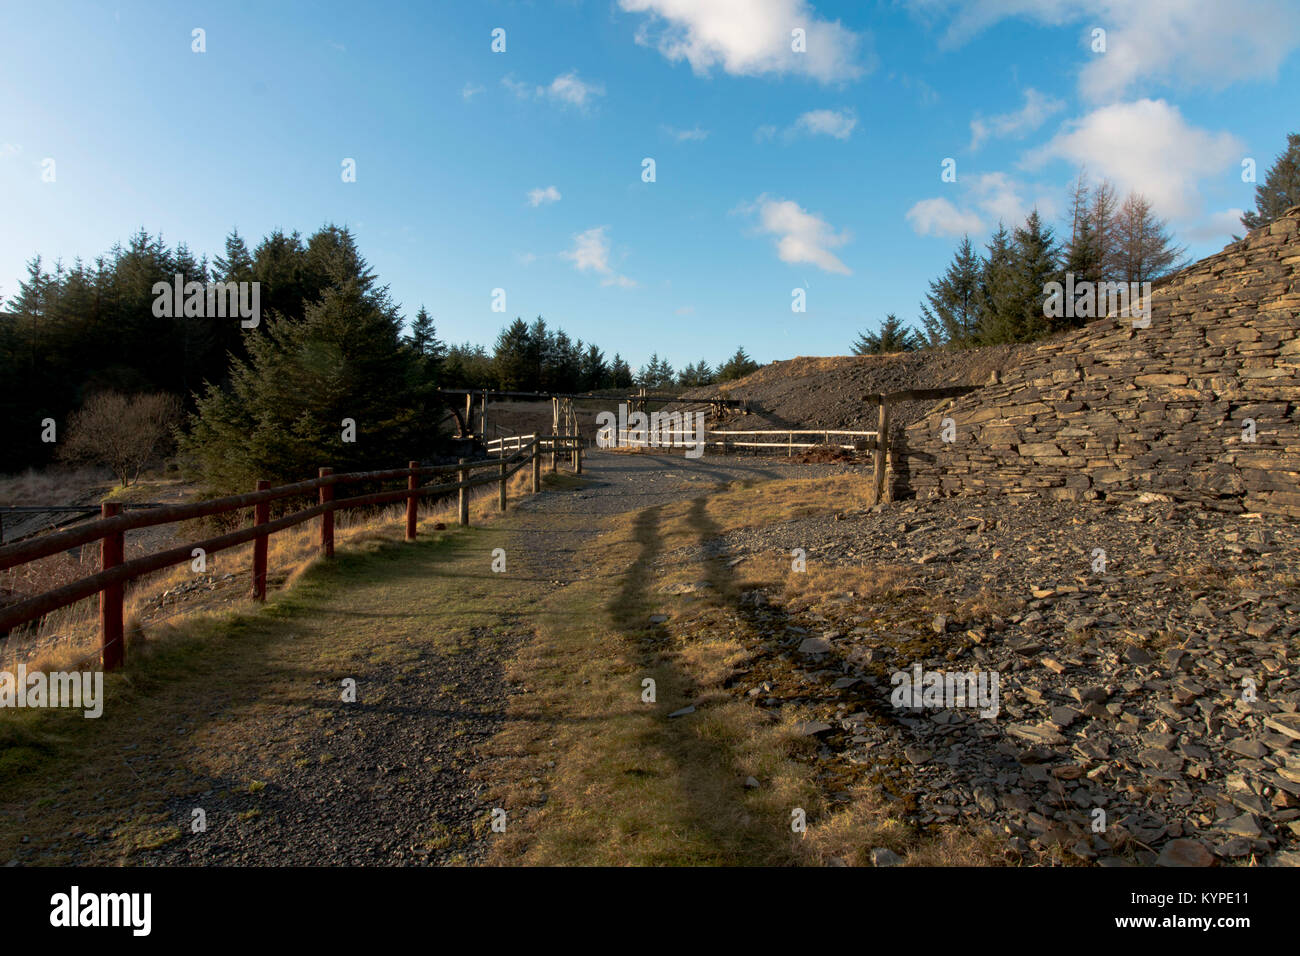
[[196, 692], [712, 765], [771, 619]]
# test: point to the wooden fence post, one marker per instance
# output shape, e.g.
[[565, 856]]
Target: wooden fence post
[[261, 515], [501, 492], [577, 456], [554, 446], [882, 449], [112, 549], [462, 477], [537, 465], [327, 519], [413, 500]]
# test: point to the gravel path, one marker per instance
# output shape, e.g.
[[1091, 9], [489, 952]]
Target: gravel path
[[390, 780]]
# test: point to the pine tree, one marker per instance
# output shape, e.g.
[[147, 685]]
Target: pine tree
[[564, 369], [282, 416], [620, 373], [738, 366], [696, 375], [657, 373], [1016, 277], [995, 292], [1034, 264], [236, 265], [951, 313], [421, 337], [893, 336], [594, 372], [429, 352], [514, 358], [541, 352], [1280, 189]]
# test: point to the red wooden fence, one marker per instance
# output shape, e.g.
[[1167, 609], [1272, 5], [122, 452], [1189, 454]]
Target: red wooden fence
[[110, 529]]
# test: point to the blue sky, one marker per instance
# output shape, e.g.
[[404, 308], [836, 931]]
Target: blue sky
[[522, 170]]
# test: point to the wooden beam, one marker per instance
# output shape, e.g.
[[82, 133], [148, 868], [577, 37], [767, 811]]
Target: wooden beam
[[882, 450]]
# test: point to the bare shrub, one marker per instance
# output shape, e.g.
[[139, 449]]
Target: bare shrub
[[121, 432]]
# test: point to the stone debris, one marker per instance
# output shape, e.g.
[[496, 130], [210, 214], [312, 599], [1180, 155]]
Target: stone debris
[[1160, 690]]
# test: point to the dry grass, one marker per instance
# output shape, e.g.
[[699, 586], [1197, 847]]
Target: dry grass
[[593, 774], [227, 676], [69, 637]]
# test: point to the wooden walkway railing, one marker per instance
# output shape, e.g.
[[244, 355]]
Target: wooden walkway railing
[[111, 527]]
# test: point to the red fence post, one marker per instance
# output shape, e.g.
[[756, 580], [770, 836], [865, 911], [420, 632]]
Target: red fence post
[[327, 519], [261, 515], [412, 485], [112, 548]]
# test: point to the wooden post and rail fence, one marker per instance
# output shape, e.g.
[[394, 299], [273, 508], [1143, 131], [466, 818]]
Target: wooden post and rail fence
[[111, 527], [877, 441]]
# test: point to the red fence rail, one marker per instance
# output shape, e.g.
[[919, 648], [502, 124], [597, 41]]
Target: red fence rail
[[110, 530]]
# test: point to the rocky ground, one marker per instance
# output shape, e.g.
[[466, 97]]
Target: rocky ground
[[1147, 664], [828, 392]]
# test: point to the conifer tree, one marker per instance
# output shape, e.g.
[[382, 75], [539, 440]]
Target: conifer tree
[[595, 372], [893, 336], [1280, 189], [283, 415], [620, 373], [951, 312], [1144, 249]]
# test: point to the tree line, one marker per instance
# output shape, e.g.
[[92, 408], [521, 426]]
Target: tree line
[[1001, 294], [84, 346]]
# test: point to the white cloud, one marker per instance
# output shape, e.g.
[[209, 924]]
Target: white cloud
[[750, 37], [684, 310], [567, 89], [837, 123], [982, 199], [999, 196], [1148, 147], [521, 90], [801, 236], [684, 135], [470, 90], [9, 149], [538, 197], [939, 217], [590, 253], [1178, 42], [1038, 107], [570, 88]]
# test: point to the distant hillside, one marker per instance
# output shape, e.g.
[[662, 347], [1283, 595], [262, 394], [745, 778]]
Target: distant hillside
[[828, 392]]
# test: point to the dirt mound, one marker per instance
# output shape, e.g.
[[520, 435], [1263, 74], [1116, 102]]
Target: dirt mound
[[823, 455], [829, 392]]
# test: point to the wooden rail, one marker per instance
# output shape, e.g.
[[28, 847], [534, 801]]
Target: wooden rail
[[878, 443], [110, 529]]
